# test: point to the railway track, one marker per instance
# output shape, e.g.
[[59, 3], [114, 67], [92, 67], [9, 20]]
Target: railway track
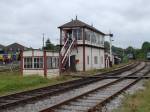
[[27, 96], [96, 98]]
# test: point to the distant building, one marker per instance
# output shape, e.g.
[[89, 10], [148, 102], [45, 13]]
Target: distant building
[[11, 52], [130, 56], [148, 55], [115, 59], [15, 47]]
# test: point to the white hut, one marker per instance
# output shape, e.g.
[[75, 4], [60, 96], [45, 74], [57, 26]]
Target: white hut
[[38, 62]]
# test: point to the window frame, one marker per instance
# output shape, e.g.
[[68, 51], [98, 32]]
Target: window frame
[[26, 62], [54, 62], [77, 33], [39, 63], [88, 60], [96, 60], [32, 62]]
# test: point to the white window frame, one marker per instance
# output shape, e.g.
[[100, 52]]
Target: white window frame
[[53, 62], [88, 60], [27, 64], [38, 62], [95, 59]]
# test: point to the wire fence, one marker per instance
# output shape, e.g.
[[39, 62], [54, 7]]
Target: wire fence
[[14, 66]]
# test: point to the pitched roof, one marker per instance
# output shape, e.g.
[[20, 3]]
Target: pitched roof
[[2, 46], [78, 23], [15, 45]]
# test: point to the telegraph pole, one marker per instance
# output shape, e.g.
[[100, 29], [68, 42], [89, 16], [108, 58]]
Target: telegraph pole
[[43, 40], [110, 39]]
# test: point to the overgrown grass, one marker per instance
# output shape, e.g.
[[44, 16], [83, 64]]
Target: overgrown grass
[[139, 102], [95, 71], [13, 82]]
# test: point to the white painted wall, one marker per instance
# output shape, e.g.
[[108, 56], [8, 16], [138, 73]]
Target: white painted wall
[[79, 56], [52, 54], [27, 53], [92, 52], [52, 73], [34, 53], [27, 72], [102, 57]]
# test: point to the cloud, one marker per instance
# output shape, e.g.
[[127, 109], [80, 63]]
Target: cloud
[[24, 21]]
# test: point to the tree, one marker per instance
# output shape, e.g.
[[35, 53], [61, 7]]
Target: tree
[[129, 50], [106, 46], [49, 45], [118, 50], [146, 47], [57, 48]]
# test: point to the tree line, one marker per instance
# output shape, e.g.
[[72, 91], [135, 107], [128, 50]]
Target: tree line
[[137, 53]]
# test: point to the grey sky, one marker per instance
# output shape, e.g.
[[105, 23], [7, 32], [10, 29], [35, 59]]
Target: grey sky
[[24, 21]]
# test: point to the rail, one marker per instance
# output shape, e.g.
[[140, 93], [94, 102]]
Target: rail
[[76, 104], [36, 94]]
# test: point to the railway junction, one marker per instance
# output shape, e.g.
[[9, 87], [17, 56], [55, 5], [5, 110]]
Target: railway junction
[[81, 49], [74, 56], [86, 94]]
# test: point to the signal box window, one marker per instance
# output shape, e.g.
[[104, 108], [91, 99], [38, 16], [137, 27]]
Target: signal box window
[[88, 60], [95, 60]]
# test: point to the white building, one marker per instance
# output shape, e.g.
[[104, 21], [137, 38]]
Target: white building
[[115, 59], [38, 62], [82, 47]]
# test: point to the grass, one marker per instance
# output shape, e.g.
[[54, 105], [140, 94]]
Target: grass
[[95, 71], [13, 82], [138, 102]]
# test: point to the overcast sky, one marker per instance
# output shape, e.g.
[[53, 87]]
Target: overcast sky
[[24, 21]]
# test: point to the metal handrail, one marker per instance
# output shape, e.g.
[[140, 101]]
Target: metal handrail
[[64, 45], [68, 50]]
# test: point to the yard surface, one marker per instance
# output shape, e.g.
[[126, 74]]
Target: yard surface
[[139, 102], [12, 82]]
